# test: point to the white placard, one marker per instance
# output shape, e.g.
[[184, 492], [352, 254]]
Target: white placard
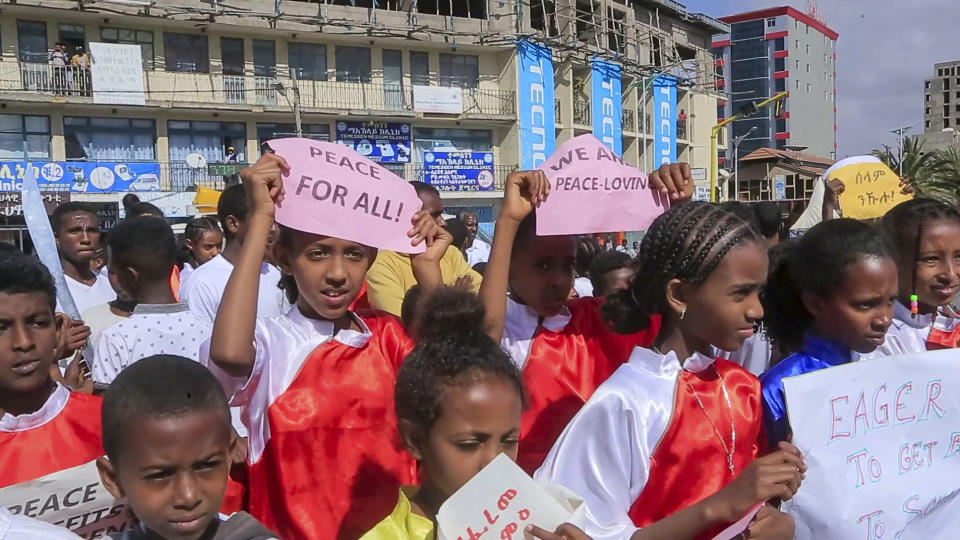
[[501, 500], [881, 440], [116, 72], [438, 99], [71, 498]]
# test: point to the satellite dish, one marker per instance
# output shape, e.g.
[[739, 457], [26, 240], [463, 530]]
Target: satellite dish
[[196, 161]]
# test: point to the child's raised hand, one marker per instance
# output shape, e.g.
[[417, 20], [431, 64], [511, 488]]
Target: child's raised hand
[[264, 183], [776, 475], [771, 524], [427, 229], [565, 531], [524, 191], [674, 181]]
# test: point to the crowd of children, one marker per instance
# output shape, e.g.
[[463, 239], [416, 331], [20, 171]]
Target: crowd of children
[[272, 382]]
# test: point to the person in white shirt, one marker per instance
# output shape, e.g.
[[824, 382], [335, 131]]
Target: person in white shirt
[[204, 287], [76, 227], [477, 250], [99, 318], [142, 250], [17, 527]]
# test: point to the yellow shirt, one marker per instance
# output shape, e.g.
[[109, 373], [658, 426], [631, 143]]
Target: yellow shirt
[[402, 523], [391, 276]]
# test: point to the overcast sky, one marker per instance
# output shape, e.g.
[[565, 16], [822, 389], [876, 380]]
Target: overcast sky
[[885, 50]]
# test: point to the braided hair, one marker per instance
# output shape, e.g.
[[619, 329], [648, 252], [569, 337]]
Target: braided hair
[[194, 232], [817, 264], [687, 243], [453, 349], [904, 226], [587, 251]]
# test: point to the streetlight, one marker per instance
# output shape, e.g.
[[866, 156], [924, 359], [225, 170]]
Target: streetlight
[[900, 132], [736, 162]]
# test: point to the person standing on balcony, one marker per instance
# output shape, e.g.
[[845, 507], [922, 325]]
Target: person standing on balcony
[[59, 62], [682, 124], [80, 64], [231, 156], [477, 250], [391, 275]]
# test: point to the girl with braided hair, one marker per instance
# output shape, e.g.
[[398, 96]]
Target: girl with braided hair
[[925, 235], [831, 300], [563, 347], [668, 446]]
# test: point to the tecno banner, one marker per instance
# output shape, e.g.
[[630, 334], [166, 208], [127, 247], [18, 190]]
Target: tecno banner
[[664, 119], [535, 97], [607, 127]]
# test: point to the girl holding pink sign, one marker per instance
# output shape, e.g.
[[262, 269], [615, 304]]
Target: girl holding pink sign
[[315, 384]]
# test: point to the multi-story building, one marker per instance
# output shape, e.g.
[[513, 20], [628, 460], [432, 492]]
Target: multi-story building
[[779, 50], [941, 107], [399, 83]]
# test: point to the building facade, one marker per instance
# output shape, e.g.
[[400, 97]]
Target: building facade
[[779, 50], [402, 85], [941, 107]]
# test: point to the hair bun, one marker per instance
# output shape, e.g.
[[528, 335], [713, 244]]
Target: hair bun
[[449, 314]]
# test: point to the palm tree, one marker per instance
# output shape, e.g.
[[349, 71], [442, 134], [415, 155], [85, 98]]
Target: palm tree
[[929, 173]]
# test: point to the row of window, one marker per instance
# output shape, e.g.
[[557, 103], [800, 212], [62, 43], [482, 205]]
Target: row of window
[[27, 137], [190, 53]]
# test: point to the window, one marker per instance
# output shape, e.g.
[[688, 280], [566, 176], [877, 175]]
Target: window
[[797, 83], [946, 123], [807, 47], [749, 48], [308, 61], [808, 88], [779, 44], [268, 131], [926, 97], [73, 36], [747, 30], [232, 59], [806, 28], [946, 97], [781, 125], [825, 96], [946, 84], [796, 24], [926, 111], [24, 137], [353, 64], [109, 139], [751, 69], [807, 68], [796, 64], [461, 70], [429, 139], [957, 95], [420, 68], [926, 124], [209, 139], [771, 22], [780, 64], [780, 85], [926, 85], [796, 44], [144, 38], [32, 41], [186, 52], [264, 58]]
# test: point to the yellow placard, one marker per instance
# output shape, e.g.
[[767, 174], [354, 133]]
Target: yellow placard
[[870, 189]]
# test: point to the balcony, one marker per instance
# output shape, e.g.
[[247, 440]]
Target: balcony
[[682, 129], [38, 82]]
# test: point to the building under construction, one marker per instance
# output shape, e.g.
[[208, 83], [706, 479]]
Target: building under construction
[[410, 83]]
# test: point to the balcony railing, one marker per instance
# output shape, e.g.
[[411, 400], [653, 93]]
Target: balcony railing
[[682, 129], [581, 111], [626, 119], [203, 89], [178, 176]]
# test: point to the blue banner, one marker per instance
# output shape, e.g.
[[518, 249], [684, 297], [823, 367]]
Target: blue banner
[[83, 176], [381, 142], [664, 120], [607, 104], [459, 171], [536, 102]]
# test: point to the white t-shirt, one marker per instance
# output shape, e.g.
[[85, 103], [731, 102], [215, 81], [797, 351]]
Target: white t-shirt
[[98, 319], [203, 289], [478, 252], [583, 286], [16, 527], [89, 296], [152, 329]]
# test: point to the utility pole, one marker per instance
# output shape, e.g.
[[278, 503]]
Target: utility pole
[[296, 102], [736, 162], [715, 131]]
